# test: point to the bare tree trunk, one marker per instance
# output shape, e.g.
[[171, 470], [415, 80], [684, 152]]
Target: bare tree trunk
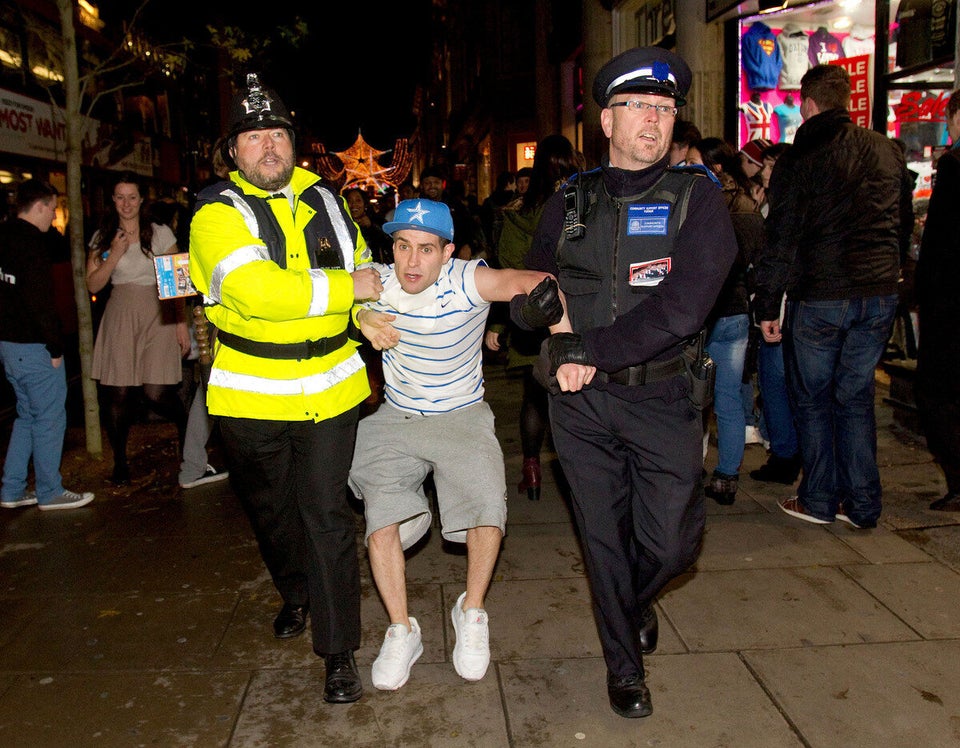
[[78, 254]]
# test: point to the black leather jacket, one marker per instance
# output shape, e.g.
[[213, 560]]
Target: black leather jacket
[[834, 228]]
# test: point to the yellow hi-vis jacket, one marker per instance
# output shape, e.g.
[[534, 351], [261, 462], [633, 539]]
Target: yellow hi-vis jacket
[[250, 295]]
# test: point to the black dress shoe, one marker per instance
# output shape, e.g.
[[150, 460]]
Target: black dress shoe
[[629, 696], [649, 630], [290, 621], [343, 680], [949, 503]]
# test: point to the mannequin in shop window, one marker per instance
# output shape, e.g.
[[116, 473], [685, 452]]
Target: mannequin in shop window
[[788, 119], [758, 115]]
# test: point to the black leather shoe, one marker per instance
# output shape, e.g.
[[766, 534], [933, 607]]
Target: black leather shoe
[[343, 680], [949, 503], [629, 696], [649, 630], [290, 621]]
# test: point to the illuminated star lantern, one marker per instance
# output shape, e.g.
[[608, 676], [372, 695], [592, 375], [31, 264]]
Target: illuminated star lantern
[[359, 165]]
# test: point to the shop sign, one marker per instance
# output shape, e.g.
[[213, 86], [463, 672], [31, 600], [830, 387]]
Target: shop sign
[[30, 127], [655, 22], [859, 69], [921, 106]]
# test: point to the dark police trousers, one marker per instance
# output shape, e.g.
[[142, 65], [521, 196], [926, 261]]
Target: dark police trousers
[[291, 477], [634, 471]]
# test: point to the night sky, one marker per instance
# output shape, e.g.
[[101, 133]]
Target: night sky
[[357, 70]]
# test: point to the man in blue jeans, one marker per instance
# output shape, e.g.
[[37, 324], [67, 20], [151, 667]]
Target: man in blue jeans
[[832, 244], [31, 350]]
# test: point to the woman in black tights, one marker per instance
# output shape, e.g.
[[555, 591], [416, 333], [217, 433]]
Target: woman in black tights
[[141, 340], [555, 160]]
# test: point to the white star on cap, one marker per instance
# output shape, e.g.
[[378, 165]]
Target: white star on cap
[[417, 214]]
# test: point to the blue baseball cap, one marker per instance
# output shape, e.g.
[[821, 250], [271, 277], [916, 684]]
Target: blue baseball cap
[[422, 215]]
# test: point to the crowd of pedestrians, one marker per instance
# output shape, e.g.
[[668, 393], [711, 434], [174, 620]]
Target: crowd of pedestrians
[[637, 298]]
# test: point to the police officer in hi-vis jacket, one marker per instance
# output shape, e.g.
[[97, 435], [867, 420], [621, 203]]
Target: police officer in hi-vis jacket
[[280, 263]]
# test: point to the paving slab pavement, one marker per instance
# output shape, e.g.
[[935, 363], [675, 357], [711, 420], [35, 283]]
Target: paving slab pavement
[[145, 619]]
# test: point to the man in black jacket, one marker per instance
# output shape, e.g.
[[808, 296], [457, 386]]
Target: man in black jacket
[[937, 388], [31, 350], [642, 258], [833, 236]]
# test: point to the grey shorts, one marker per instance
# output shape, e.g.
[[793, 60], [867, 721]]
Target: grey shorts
[[395, 452]]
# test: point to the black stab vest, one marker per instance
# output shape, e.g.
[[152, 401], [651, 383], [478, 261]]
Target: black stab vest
[[626, 248]]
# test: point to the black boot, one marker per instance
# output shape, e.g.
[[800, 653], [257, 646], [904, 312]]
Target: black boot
[[120, 475], [722, 488], [779, 470]]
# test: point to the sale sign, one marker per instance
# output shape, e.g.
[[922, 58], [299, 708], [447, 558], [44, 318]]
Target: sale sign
[[859, 69]]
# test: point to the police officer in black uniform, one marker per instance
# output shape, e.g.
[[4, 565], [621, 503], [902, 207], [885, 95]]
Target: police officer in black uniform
[[641, 252]]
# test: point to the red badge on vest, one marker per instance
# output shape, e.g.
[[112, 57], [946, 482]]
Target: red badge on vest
[[649, 273]]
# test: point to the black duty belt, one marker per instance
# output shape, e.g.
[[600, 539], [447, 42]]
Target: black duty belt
[[306, 349], [634, 376]]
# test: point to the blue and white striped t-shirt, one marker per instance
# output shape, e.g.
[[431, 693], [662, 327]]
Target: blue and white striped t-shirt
[[437, 365]]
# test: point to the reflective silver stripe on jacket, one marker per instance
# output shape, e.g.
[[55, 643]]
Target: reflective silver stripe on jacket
[[310, 385], [237, 258], [241, 205], [334, 207], [321, 293]]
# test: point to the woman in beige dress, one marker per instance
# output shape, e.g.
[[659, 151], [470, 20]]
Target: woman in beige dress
[[141, 340]]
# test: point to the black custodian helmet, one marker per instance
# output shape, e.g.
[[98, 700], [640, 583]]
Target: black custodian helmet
[[256, 108]]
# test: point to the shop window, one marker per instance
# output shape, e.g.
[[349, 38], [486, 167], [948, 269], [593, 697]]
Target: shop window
[[776, 49]]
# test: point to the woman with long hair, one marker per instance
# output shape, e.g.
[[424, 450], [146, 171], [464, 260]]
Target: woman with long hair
[[554, 161], [141, 340]]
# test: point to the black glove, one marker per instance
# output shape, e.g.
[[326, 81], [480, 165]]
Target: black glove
[[542, 307], [566, 348]]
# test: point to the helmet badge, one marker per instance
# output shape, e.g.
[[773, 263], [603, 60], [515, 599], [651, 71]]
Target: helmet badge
[[257, 101]]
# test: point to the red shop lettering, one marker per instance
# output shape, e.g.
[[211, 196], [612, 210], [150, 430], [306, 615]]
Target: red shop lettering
[[915, 106], [14, 120]]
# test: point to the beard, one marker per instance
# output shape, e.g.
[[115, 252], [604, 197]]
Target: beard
[[270, 180]]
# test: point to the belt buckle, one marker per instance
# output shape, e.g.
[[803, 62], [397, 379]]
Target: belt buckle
[[315, 348]]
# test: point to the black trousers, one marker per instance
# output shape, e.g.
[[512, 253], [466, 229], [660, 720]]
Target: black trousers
[[937, 391], [634, 470], [291, 477]]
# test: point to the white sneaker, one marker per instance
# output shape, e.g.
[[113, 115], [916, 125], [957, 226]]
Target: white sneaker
[[752, 436], [67, 500], [400, 649], [471, 654]]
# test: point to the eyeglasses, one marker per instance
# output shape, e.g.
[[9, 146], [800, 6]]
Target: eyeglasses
[[642, 106]]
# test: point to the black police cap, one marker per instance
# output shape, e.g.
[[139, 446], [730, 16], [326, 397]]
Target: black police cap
[[643, 70]]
